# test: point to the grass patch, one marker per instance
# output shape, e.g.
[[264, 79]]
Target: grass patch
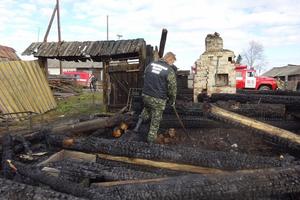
[[84, 104]]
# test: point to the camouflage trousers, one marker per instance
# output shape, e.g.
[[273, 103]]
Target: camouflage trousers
[[153, 110]]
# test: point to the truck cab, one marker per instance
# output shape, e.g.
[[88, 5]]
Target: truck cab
[[247, 79]]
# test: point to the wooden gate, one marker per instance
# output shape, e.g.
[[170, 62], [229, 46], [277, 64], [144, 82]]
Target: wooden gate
[[122, 78]]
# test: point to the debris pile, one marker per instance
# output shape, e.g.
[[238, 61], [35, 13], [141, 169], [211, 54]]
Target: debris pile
[[101, 158], [63, 86]]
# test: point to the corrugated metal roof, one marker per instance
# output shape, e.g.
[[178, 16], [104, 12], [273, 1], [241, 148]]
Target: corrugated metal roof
[[87, 49], [8, 54], [283, 71], [24, 88]]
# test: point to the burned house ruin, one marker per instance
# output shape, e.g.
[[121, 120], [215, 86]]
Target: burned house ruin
[[215, 70]]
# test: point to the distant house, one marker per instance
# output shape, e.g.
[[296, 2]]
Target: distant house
[[8, 54], [290, 74], [88, 66]]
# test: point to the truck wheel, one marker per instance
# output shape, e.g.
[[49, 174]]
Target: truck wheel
[[264, 87]]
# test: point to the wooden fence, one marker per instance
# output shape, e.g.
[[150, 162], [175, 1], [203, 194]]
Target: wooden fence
[[24, 89]]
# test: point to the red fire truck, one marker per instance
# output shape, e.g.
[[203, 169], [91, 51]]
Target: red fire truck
[[82, 78], [246, 79]]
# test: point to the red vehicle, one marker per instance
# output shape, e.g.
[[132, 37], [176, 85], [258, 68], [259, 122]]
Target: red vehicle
[[82, 78], [246, 79]]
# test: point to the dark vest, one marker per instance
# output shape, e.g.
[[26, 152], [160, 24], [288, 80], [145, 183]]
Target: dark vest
[[155, 79]]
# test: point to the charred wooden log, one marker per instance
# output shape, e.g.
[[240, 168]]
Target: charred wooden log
[[56, 183], [186, 155], [288, 140], [201, 122], [7, 155], [17, 191], [158, 171], [191, 122], [97, 171], [25, 144], [243, 98], [255, 110], [261, 111], [92, 125], [252, 184], [256, 184], [270, 92]]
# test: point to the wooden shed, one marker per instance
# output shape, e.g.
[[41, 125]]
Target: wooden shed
[[290, 74], [123, 63]]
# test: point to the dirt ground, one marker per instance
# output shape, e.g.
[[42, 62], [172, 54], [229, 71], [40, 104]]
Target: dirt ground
[[215, 139]]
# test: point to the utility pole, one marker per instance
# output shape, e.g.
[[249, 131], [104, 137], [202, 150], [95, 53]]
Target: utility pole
[[50, 23], [59, 35], [106, 27]]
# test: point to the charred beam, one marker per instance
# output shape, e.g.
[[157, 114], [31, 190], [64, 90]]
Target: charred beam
[[288, 139], [56, 183], [184, 155], [257, 184], [270, 92], [243, 98], [7, 155], [19, 191], [162, 43], [158, 171], [92, 125], [97, 171]]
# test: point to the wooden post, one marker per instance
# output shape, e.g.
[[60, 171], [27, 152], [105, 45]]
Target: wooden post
[[142, 66], [59, 34], [105, 84], [162, 44], [50, 23], [43, 62]]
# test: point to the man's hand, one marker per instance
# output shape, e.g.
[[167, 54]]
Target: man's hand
[[172, 103]]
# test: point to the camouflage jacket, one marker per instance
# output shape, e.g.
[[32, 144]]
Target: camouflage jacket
[[172, 87]]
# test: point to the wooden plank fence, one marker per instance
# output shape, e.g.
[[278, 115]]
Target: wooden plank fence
[[24, 89]]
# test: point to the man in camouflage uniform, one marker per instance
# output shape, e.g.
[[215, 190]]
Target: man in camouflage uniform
[[160, 87], [280, 84]]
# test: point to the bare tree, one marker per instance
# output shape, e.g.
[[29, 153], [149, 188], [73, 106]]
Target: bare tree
[[254, 56]]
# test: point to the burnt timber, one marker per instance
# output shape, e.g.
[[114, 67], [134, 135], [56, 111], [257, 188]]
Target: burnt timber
[[212, 159]]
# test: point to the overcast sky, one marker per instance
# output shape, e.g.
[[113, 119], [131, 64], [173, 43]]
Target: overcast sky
[[274, 23]]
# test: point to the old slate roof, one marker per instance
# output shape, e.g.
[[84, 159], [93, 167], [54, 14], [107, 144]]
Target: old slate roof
[[8, 54], [283, 71], [88, 49]]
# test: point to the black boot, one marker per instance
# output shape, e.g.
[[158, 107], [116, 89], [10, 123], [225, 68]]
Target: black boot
[[138, 124]]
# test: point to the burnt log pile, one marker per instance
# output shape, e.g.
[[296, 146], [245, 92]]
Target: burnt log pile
[[63, 86], [185, 155], [84, 161]]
